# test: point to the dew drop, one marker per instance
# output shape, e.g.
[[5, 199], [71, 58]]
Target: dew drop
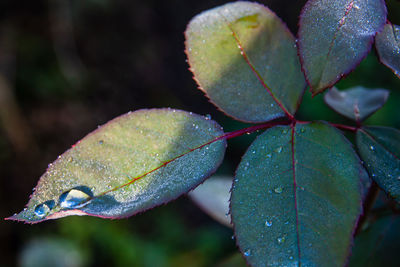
[[208, 117], [75, 198], [278, 190], [291, 258], [268, 223], [269, 155], [247, 253], [372, 148], [281, 240], [43, 209], [272, 105], [101, 142], [278, 150], [302, 130]]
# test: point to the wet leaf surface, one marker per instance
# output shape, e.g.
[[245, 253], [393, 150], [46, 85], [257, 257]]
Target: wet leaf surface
[[379, 148], [296, 197], [335, 35], [137, 161], [245, 60], [387, 45]]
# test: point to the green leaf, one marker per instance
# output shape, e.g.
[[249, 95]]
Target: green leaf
[[334, 36], [245, 60], [379, 148], [296, 197], [356, 103], [213, 196], [378, 245], [133, 163], [387, 45]]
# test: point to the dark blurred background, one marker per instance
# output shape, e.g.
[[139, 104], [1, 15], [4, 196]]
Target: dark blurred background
[[67, 66]]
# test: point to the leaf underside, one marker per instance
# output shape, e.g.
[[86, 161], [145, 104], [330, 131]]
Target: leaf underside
[[245, 60], [212, 197], [387, 45], [135, 162], [379, 148], [357, 103], [296, 197], [334, 36]]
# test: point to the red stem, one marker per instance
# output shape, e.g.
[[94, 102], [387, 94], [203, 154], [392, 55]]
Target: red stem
[[345, 127]]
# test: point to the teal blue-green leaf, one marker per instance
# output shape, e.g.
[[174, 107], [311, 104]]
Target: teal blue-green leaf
[[137, 161], [213, 196], [387, 45], [357, 103], [296, 197], [245, 60], [379, 148], [334, 36], [378, 245]]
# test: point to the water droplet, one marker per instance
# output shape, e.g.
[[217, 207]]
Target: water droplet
[[302, 130], [272, 105], [281, 240], [278, 190], [75, 198], [278, 150], [284, 131], [291, 258], [101, 142], [372, 148], [398, 178], [43, 209], [208, 117], [269, 155], [247, 253], [268, 223]]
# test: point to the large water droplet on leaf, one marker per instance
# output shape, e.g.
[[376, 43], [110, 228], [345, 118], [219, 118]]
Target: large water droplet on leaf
[[75, 198], [43, 209]]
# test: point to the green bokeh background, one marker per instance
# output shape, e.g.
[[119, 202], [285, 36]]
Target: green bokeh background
[[67, 67]]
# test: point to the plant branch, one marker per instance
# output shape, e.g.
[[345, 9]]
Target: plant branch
[[345, 127]]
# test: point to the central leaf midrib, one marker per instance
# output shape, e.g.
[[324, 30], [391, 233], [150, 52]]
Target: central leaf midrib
[[255, 71], [295, 192], [348, 9]]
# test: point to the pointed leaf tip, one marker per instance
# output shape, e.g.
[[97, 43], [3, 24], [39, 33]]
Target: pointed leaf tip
[[357, 103], [334, 36], [245, 60], [135, 162], [387, 45]]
